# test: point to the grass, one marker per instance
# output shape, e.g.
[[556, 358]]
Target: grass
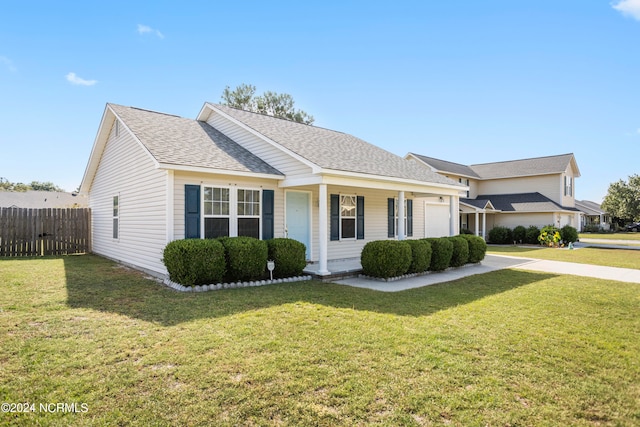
[[506, 348], [611, 236], [622, 258]]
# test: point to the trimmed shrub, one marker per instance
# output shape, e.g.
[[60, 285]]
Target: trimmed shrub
[[442, 251], [246, 258], [477, 247], [386, 258], [193, 262], [501, 235], [289, 256], [460, 254], [532, 235], [420, 255], [466, 231], [520, 234], [569, 234]]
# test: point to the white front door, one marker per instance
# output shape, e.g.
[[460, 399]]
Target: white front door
[[298, 218]]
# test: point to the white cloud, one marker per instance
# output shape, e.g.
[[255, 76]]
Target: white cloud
[[8, 64], [145, 29], [73, 79], [628, 7]]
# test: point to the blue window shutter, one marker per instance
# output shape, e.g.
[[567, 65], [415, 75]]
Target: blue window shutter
[[267, 214], [191, 211], [334, 209], [360, 217], [409, 217], [391, 218]]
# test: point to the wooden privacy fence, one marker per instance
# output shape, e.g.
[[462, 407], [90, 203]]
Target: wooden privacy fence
[[37, 232]]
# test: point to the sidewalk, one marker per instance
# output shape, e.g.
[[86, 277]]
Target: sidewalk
[[493, 263]]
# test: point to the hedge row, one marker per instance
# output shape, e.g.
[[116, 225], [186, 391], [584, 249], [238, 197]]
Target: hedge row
[[193, 262], [391, 258], [530, 235]]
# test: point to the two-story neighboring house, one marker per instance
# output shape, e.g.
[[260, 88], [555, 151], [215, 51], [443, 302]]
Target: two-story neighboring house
[[538, 191]]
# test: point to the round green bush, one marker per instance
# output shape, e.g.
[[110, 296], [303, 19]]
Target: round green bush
[[569, 234], [385, 258], [520, 234], [246, 258], [193, 262], [288, 255], [532, 234], [460, 254], [477, 247], [420, 255], [501, 235], [442, 251]]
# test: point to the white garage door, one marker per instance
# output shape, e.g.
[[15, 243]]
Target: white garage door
[[436, 219]]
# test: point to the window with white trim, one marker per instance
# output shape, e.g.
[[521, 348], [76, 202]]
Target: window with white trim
[[347, 216], [116, 216], [249, 213], [216, 212], [406, 212]]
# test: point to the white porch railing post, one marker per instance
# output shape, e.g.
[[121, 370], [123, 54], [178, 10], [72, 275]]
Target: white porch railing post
[[323, 212], [401, 231], [477, 233]]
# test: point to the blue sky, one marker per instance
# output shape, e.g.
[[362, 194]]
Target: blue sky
[[465, 81]]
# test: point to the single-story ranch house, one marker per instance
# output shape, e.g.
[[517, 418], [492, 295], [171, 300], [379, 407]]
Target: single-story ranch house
[[152, 178], [538, 191]]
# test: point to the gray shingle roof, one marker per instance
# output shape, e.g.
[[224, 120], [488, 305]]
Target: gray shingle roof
[[41, 199], [589, 207], [506, 169], [333, 150], [186, 142], [523, 167], [521, 202], [445, 166]]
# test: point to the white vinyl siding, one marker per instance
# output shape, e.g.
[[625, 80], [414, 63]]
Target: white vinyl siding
[[285, 163], [547, 185], [128, 171]]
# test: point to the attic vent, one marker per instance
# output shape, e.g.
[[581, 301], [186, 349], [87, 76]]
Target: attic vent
[[117, 127]]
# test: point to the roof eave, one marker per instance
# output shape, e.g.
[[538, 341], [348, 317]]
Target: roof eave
[[218, 171]]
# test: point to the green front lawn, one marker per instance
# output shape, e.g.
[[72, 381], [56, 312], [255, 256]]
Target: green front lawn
[[608, 257], [506, 348], [611, 236]]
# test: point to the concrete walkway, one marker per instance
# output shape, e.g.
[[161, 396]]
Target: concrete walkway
[[498, 262]]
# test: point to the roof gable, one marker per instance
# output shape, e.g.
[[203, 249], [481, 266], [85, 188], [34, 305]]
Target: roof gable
[[330, 150]]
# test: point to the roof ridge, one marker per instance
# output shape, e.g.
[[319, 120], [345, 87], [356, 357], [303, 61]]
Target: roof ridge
[[520, 160], [440, 160]]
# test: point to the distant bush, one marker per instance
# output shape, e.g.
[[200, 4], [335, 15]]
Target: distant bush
[[477, 247], [520, 234], [569, 234], [466, 231], [532, 234], [549, 236], [386, 258], [420, 256], [442, 251], [193, 262], [246, 258], [592, 228], [500, 235], [460, 254], [288, 255]]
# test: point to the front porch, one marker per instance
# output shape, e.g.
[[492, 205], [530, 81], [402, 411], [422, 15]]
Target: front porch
[[337, 269]]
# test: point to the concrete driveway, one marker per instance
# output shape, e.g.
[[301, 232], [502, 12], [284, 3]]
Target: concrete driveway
[[493, 263]]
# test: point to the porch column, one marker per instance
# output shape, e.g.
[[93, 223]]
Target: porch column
[[477, 221], [484, 225], [453, 215], [400, 215], [322, 230]]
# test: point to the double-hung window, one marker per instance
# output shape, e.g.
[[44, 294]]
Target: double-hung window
[[347, 217], [249, 213], [216, 212]]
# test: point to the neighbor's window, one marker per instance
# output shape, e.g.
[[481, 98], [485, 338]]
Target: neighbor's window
[[347, 217], [216, 212], [568, 186], [249, 213], [116, 216]]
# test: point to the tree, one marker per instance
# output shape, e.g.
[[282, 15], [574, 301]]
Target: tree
[[623, 199], [270, 103], [6, 185]]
